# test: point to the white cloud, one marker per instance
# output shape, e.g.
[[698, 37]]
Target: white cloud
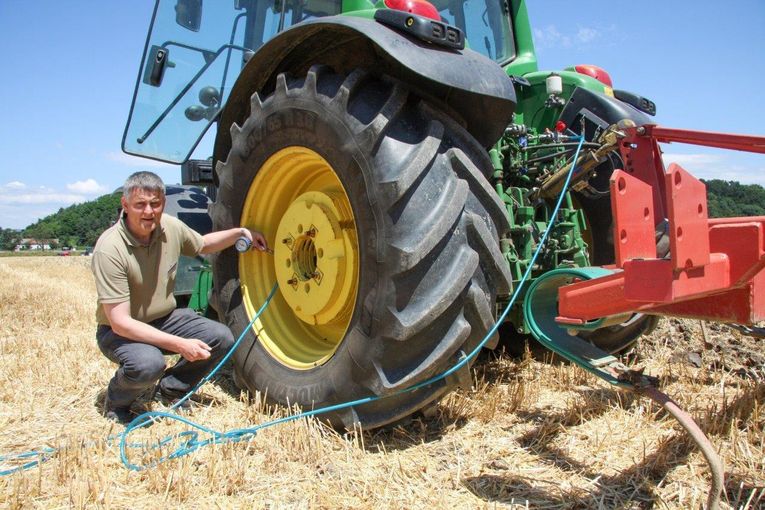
[[87, 187], [550, 37], [19, 216], [22, 205], [703, 161], [587, 34], [43, 198], [134, 161], [718, 166]]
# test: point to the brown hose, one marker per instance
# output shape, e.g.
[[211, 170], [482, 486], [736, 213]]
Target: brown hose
[[685, 420]]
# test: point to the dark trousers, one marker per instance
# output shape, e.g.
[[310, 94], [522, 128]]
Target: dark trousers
[[142, 365]]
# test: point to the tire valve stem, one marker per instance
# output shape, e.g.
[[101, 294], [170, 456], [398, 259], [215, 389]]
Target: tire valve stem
[[292, 282], [311, 233], [287, 240]]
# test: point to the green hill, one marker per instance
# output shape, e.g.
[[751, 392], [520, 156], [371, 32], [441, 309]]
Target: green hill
[[79, 224]]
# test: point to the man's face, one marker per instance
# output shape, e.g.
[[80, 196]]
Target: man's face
[[144, 210]]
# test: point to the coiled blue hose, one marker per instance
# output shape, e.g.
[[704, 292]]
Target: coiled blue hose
[[191, 438]]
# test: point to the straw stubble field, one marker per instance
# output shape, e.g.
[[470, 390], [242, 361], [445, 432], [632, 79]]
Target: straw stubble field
[[528, 435]]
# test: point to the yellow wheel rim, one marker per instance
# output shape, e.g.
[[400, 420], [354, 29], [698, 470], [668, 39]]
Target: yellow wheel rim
[[300, 205]]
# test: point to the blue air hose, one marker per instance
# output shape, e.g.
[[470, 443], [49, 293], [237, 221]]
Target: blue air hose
[[192, 442]]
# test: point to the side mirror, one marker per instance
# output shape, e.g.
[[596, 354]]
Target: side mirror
[[188, 14]]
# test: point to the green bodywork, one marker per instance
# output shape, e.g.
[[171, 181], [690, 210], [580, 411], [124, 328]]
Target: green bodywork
[[199, 300], [522, 158]]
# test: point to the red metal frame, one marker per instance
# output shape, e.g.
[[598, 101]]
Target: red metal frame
[[715, 269]]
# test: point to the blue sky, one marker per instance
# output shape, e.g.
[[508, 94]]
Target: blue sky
[[70, 68]]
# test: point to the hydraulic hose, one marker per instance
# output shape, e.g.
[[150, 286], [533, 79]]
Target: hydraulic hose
[[698, 436]]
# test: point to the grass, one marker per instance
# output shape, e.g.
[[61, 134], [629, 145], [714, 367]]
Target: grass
[[29, 253], [528, 435]]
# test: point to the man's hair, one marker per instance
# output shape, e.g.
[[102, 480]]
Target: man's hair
[[143, 180]]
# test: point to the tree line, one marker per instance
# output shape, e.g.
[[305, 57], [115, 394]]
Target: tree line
[[730, 198], [81, 224], [77, 225]]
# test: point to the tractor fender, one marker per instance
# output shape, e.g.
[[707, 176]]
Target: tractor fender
[[601, 110], [472, 87]]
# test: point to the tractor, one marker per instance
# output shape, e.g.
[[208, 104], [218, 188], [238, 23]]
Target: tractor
[[403, 158]]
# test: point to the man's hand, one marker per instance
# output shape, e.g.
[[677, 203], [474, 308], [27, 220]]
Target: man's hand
[[217, 241], [193, 350], [258, 240], [124, 325]]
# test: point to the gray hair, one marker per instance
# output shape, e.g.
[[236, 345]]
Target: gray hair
[[143, 180]]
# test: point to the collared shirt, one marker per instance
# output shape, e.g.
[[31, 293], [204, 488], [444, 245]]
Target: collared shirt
[[126, 270]]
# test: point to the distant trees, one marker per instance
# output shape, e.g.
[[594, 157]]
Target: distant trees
[[79, 224], [9, 238], [731, 198]]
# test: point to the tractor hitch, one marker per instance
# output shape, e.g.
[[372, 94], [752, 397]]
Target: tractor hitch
[[714, 270]]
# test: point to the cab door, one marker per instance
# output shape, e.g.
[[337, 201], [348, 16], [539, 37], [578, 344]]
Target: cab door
[[194, 52]]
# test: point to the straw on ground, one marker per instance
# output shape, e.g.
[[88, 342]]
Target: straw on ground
[[528, 435]]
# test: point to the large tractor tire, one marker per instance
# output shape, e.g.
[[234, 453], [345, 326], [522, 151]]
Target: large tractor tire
[[386, 245]]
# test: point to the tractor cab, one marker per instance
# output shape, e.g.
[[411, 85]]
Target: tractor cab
[[193, 55], [195, 51]]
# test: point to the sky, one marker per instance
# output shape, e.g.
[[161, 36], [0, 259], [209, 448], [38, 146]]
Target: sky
[[70, 69]]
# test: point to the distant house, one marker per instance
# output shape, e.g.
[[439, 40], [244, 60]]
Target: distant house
[[36, 244]]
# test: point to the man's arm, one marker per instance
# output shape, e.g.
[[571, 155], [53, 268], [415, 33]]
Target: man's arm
[[217, 241], [126, 326]]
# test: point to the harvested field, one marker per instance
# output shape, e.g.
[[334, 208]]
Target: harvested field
[[529, 434]]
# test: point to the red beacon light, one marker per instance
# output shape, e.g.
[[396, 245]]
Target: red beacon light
[[596, 72], [419, 7]]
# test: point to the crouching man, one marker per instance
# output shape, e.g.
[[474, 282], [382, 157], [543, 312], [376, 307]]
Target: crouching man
[[134, 264]]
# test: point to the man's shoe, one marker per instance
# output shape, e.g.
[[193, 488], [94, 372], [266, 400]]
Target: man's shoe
[[123, 414], [172, 400]]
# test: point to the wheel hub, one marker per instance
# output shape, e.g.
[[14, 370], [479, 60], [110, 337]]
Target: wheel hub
[[298, 201], [311, 259]]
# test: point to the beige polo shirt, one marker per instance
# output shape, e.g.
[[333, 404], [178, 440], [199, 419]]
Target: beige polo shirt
[[126, 270]]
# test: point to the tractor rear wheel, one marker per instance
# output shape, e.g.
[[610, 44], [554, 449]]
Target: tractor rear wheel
[[386, 245]]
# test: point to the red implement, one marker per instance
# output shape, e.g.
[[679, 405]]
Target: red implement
[[715, 268]]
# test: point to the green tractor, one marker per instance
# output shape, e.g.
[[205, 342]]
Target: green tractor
[[402, 159]]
